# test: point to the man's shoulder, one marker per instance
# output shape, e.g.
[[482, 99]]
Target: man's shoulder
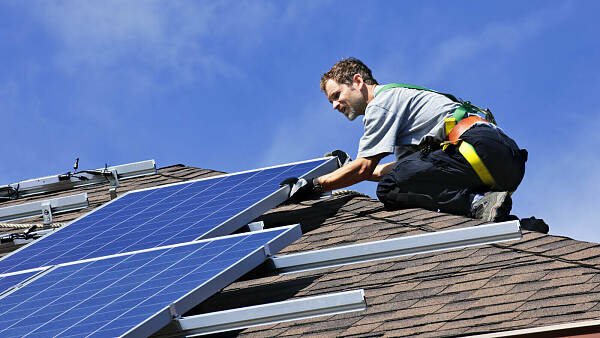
[[387, 99]]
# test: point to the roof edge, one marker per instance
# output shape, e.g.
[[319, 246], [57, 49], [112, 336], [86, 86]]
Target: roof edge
[[559, 330]]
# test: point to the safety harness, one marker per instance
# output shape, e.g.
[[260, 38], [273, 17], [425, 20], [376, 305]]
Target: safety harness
[[463, 118]]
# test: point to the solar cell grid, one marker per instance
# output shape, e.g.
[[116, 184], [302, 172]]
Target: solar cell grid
[[159, 216], [110, 296], [7, 282]]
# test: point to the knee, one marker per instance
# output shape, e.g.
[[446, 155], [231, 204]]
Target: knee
[[394, 198]]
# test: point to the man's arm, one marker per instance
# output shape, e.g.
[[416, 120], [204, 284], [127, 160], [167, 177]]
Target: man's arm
[[356, 171], [381, 170]]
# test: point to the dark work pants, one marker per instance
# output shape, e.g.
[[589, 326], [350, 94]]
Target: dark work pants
[[444, 180]]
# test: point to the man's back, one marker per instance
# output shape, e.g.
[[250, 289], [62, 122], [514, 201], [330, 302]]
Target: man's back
[[398, 118]]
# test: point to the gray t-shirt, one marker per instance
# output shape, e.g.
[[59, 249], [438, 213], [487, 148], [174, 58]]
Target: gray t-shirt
[[399, 119]]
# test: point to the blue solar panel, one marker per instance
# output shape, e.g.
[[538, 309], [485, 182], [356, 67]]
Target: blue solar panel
[[131, 293], [6, 282], [165, 215]]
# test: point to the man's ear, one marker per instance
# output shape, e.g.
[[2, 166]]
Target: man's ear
[[357, 81]]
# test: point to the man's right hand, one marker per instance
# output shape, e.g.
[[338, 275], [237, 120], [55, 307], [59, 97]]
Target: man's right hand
[[300, 188], [342, 156]]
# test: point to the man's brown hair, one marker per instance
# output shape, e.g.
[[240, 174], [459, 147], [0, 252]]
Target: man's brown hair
[[343, 71]]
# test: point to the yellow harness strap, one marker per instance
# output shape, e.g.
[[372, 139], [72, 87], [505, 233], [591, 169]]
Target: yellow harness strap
[[449, 124], [475, 161]]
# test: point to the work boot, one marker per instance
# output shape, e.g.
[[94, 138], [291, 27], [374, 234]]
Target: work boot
[[494, 206]]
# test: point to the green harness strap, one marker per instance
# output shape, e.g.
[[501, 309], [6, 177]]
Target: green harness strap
[[459, 113]]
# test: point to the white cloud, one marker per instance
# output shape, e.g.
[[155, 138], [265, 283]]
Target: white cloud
[[497, 37], [173, 36]]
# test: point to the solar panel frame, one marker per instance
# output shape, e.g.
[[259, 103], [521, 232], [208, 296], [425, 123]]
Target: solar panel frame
[[222, 227], [256, 248]]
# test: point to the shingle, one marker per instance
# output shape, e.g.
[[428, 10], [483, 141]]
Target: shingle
[[529, 286], [390, 306], [592, 252], [595, 278], [520, 278], [534, 244], [499, 327], [572, 289], [479, 321], [445, 333], [570, 271], [380, 298], [574, 249], [470, 285], [479, 309], [258, 329], [459, 262], [413, 331], [377, 318], [560, 245], [391, 288], [337, 284], [360, 329], [448, 255], [328, 327], [491, 291], [264, 334], [569, 300], [458, 305], [419, 321], [419, 293], [443, 298], [566, 318], [452, 279]]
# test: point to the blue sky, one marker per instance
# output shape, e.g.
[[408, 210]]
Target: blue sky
[[234, 85]]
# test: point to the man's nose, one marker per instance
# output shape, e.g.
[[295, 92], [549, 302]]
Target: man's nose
[[336, 105]]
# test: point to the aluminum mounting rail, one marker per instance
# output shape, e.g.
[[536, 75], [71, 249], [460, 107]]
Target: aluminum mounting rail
[[64, 182], [44, 208], [389, 248], [289, 310]]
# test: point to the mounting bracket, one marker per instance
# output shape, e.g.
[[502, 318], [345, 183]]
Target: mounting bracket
[[46, 213]]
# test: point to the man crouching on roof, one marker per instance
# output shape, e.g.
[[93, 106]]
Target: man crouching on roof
[[472, 175]]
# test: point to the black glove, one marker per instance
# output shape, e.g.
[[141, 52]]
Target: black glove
[[342, 156], [300, 189]]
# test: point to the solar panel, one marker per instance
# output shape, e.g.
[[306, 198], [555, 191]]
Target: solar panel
[[6, 282], [166, 215], [134, 294]]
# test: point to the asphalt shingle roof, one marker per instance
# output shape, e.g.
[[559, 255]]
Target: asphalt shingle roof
[[537, 281]]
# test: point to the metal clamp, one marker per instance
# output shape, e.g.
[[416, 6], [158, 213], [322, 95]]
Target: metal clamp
[[46, 213]]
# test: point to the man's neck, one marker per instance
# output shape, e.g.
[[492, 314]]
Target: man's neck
[[370, 92]]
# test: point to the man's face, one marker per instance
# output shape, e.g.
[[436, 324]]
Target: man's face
[[347, 99]]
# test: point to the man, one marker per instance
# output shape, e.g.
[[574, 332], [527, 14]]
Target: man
[[412, 124]]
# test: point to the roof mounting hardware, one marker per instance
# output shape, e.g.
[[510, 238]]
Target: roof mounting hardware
[[285, 311], [44, 208], [25, 237], [114, 180], [114, 183], [71, 180], [112, 191], [326, 195], [256, 226], [46, 213], [389, 248]]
